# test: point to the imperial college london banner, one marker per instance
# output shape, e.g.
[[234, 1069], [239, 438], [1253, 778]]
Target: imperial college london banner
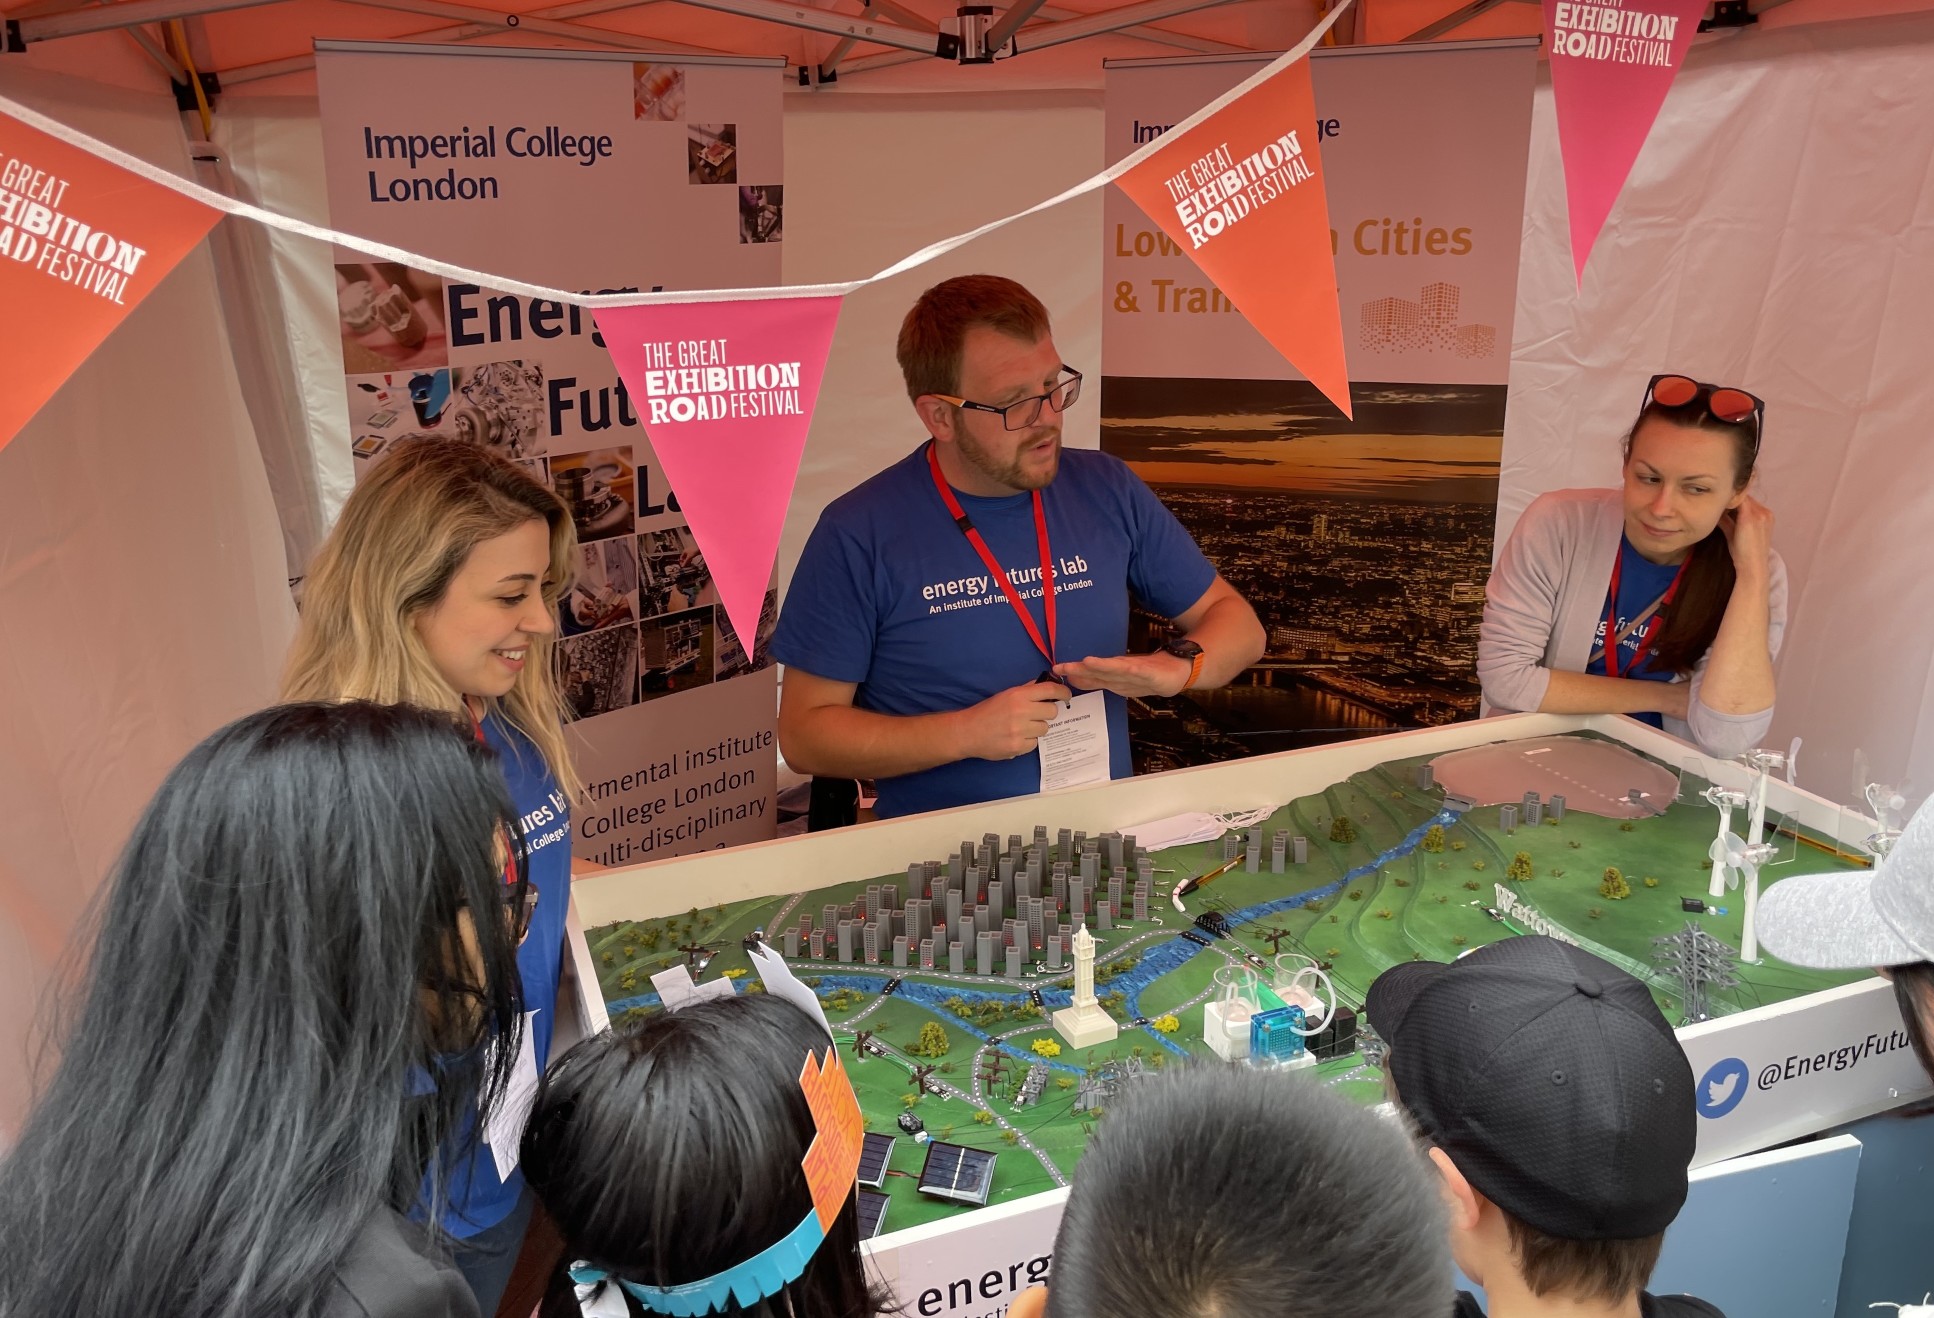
[[1364, 544], [593, 172]]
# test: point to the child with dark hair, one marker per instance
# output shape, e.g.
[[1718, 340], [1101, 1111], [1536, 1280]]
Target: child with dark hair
[[1216, 1191], [307, 949], [671, 1157], [1558, 1108]]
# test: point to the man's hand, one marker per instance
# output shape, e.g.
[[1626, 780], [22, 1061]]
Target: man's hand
[[1749, 532], [1010, 723], [1131, 675]]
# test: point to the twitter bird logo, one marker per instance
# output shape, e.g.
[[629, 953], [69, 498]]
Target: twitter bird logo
[[1721, 1088]]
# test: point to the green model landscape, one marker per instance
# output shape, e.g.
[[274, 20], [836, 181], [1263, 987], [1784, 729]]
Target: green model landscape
[[1416, 890]]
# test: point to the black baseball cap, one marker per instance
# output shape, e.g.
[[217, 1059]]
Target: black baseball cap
[[1552, 1081]]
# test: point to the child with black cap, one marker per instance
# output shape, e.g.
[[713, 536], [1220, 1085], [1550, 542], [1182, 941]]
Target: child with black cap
[[1558, 1109]]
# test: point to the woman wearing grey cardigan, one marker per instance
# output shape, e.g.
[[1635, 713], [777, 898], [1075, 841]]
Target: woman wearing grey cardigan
[[1677, 566]]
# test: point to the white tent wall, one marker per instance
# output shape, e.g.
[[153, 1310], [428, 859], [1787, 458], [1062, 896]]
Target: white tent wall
[[1777, 233], [141, 580], [279, 291]]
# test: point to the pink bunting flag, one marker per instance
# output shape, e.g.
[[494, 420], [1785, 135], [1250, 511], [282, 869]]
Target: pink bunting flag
[[1612, 62], [725, 391]]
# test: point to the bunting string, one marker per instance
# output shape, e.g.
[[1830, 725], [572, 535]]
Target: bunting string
[[464, 274]]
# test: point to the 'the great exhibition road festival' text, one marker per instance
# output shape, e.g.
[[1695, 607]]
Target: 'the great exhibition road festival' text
[[35, 232]]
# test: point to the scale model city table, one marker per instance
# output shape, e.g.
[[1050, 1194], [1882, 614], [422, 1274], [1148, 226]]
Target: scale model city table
[[942, 944]]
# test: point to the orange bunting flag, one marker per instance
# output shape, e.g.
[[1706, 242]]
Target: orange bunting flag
[[81, 242], [833, 1162], [1242, 193]]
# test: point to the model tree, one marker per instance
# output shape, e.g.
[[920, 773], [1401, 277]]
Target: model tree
[[1342, 829], [1047, 1047], [1520, 867], [1434, 838], [1613, 886], [1167, 1024], [932, 1042]]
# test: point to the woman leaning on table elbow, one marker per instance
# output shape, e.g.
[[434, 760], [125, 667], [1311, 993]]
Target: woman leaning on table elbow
[[1676, 566]]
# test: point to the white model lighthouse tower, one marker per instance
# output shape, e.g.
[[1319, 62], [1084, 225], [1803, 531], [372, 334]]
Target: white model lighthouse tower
[[1085, 1024]]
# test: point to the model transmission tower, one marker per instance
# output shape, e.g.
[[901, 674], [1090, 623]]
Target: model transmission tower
[[1698, 962]]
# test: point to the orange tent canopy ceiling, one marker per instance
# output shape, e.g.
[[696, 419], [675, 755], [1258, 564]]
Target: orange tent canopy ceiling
[[879, 45]]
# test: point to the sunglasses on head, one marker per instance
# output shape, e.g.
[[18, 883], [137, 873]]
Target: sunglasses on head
[[1735, 407]]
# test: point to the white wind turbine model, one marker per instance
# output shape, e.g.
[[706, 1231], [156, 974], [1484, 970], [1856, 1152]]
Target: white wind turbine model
[[1726, 843], [1742, 859], [1887, 805]]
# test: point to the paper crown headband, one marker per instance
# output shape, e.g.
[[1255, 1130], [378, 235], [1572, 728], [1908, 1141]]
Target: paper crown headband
[[831, 1164]]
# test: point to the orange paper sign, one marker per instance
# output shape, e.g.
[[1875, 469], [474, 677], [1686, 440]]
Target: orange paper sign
[[833, 1161], [81, 242], [1242, 193]]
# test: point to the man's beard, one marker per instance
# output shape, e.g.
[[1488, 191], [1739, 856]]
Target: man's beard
[[1010, 474]]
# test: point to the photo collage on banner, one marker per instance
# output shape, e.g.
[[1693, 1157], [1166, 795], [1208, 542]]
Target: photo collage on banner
[[580, 172], [1364, 545]]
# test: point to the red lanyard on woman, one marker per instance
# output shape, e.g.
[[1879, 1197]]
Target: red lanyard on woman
[[1613, 640], [987, 556]]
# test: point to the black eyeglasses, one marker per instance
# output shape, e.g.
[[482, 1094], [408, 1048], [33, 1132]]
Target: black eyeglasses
[[1735, 407], [1026, 412]]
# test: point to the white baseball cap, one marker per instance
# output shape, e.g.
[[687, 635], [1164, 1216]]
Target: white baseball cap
[[1881, 917]]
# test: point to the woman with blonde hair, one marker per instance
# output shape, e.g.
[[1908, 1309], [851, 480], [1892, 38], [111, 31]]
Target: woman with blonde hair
[[438, 587]]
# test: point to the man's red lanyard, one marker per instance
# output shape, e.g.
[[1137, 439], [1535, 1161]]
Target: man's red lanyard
[[510, 843], [987, 557], [1613, 641]]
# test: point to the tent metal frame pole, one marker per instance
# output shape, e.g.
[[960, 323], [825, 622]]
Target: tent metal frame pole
[[461, 32], [1010, 23], [129, 13], [1161, 36], [1129, 20], [828, 64], [1114, 20], [1455, 19], [489, 20], [1147, 32], [902, 15], [576, 9], [161, 59], [863, 28]]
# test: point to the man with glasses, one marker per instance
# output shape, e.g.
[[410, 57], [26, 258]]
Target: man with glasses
[[973, 598]]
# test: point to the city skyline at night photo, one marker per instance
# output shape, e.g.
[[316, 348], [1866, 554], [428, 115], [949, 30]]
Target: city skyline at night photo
[[1364, 546]]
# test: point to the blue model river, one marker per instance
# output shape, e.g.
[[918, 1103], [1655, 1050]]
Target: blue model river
[[1155, 963]]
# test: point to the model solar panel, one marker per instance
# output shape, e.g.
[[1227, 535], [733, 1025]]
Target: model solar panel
[[956, 1172], [872, 1214], [875, 1153]]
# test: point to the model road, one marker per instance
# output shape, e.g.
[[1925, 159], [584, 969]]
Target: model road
[[973, 1100]]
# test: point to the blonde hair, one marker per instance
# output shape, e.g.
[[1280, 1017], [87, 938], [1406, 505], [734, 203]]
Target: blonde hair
[[405, 531]]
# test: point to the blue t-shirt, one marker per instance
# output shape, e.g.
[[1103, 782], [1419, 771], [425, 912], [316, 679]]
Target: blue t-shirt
[[478, 1200], [1640, 581], [890, 595]]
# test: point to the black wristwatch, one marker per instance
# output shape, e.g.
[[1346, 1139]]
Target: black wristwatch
[[1183, 648]]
